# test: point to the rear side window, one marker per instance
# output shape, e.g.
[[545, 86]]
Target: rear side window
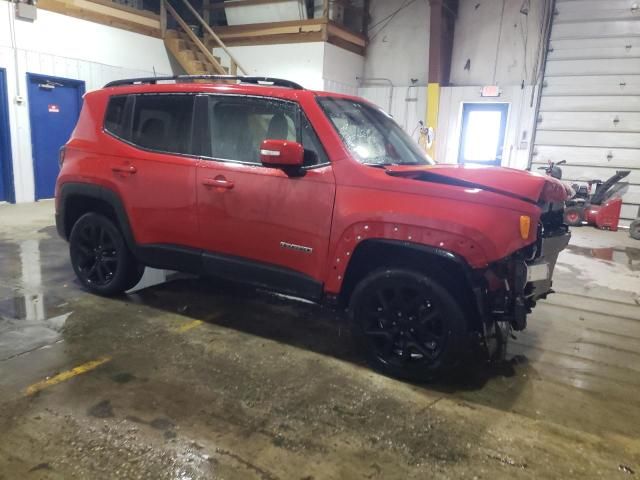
[[163, 122], [114, 120], [159, 122]]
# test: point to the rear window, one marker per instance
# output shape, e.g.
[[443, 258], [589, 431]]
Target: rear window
[[159, 122], [114, 120]]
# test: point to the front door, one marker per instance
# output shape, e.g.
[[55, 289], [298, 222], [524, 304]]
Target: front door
[[482, 135], [54, 107], [264, 215], [6, 177]]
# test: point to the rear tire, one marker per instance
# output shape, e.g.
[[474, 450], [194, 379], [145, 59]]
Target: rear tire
[[634, 229], [573, 216], [100, 257], [408, 325]]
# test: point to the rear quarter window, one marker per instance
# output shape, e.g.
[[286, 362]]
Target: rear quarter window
[[114, 120]]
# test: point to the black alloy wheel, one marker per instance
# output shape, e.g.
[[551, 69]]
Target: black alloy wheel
[[99, 256], [96, 255], [408, 324]]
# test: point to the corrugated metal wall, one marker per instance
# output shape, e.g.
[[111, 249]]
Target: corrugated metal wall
[[590, 106]]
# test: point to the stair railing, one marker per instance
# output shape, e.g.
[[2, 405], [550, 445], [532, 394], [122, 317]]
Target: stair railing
[[234, 65]]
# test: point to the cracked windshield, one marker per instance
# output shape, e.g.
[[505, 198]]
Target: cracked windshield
[[371, 135]]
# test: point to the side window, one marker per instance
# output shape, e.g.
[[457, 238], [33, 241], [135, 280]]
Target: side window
[[238, 125], [162, 122], [114, 119]]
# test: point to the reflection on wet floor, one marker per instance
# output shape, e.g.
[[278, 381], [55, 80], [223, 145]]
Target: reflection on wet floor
[[28, 321], [623, 255]]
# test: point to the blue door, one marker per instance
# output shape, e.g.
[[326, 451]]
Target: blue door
[[482, 136], [6, 168], [54, 107]]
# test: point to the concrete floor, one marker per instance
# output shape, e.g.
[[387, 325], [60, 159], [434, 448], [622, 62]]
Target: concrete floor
[[196, 379]]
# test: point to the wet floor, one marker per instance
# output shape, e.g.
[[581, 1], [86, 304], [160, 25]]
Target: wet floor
[[186, 378]]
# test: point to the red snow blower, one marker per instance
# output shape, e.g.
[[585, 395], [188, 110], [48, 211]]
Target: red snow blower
[[596, 203]]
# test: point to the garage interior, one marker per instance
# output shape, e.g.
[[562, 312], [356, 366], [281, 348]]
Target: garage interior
[[188, 377]]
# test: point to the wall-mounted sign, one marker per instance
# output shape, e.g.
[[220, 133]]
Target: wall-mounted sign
[[490, 91], [54, 108]]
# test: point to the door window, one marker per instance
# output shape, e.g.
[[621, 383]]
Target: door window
[[237, 126], [159, 122], [483, 130]]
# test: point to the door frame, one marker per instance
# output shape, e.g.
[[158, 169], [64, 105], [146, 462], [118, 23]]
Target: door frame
[[5, 141], [505, 106], [79, 85]]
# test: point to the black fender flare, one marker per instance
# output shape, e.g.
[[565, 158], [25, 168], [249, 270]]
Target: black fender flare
[[474, 278], [98, 192]]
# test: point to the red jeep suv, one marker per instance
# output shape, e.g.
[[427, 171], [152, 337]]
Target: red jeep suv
[[314, 194]]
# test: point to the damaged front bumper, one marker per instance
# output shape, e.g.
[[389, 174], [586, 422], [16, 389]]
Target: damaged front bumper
[[530, 280], [515, 284]]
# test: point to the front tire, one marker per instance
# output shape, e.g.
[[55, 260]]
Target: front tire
[[100, 257], [408, 324]]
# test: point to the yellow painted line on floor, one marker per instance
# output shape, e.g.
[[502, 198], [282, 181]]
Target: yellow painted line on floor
[[64, 376], [188, 326]]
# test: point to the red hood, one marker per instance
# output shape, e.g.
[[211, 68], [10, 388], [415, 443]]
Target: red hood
[[531, 187]]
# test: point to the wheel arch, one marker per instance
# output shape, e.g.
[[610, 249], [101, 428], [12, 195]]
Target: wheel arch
[[451, 269], [76, 199]]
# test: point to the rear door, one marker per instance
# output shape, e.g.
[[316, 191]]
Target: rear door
[[151, 165], [261, 214]]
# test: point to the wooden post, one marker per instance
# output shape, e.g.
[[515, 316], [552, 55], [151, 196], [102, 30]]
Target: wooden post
[[325, 10], [163, 18]]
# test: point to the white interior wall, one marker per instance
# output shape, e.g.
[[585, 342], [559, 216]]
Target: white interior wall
[[520, 123], [341, 70], [398, 47], [492, 35], [314, 65], [501, 46], [63, 46], [397, 52], [300, 62], [408, 104]]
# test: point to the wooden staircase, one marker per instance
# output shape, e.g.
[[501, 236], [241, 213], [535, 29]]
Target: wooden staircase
[[190, 50], [189, 56]]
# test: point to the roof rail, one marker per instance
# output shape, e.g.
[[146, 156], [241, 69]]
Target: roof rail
[[278, 82]]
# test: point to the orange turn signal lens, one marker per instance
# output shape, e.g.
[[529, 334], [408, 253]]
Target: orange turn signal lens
[[525, 226]]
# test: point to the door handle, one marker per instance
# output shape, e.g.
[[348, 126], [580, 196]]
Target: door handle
[[130, 169], [218, 182]]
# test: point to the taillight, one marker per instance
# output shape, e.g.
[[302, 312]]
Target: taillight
[[61, 153]]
